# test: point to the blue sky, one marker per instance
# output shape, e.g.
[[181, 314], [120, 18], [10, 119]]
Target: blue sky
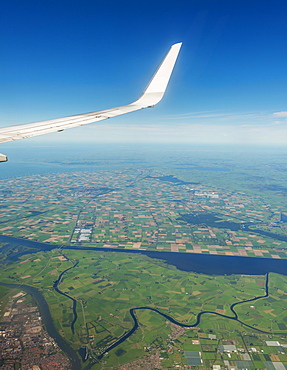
[[60, 58]]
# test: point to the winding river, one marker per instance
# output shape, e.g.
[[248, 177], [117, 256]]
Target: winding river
[[201, 263], [55, 286], [197, 322]]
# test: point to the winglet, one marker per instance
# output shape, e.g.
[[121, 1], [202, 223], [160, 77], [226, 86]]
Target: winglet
[[152, 95], [157, 86]]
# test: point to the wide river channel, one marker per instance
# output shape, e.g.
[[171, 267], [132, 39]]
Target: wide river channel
[[200, 263]]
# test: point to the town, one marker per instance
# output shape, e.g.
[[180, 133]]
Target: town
[[23, 340]]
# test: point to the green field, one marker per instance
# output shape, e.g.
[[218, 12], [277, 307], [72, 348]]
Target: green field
[[180, 200], [107, 285], [148, 210]]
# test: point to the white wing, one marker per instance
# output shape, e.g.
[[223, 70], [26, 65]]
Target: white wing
[[151, 96]]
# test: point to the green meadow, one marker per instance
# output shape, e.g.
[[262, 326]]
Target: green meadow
[[144, 209], [107, 285]]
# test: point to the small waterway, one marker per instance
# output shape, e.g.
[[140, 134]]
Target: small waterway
[[197, 322], [200, 263], [74, 307]]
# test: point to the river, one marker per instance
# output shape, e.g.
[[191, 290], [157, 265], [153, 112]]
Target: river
[[48, 322], [197, 322], [200, 263]]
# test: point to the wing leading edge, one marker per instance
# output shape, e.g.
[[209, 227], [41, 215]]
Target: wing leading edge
[[151, 96]]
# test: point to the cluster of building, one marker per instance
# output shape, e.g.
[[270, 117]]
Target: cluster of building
[[82, 234], [23, 342], [247, 361]]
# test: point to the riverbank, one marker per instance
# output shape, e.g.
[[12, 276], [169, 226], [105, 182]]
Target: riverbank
[[200, 263], [195, 262], [48, 322]]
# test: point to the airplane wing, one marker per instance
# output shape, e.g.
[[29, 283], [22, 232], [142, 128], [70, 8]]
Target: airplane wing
[[151, 96]]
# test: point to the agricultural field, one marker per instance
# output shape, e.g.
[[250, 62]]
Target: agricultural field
[[143, 210], [107, 285], [201, 202]]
